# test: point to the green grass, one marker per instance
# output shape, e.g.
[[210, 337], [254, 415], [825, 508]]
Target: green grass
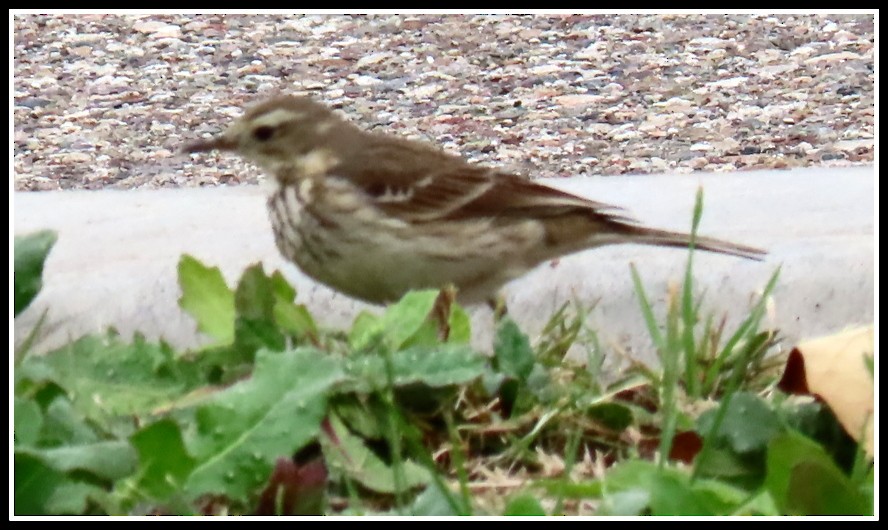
[[280, 416]]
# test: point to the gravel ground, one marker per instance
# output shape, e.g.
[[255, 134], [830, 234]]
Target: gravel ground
[[105, 101]]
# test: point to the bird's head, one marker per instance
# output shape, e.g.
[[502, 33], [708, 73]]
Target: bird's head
[[279, 133]]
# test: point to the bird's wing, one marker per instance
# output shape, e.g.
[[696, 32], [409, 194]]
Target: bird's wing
[[420, 184]]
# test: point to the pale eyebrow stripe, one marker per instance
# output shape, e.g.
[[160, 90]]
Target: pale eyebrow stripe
[[276, 117]]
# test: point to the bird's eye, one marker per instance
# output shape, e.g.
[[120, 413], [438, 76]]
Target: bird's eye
[[263, 132]]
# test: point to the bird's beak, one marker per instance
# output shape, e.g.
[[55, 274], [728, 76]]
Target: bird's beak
[[221, 143]]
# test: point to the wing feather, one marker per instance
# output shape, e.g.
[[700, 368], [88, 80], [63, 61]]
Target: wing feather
[[418, 183]]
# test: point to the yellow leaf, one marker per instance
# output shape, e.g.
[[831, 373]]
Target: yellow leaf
[[835, 368]]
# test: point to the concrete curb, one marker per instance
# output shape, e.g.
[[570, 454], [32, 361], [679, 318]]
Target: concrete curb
[[115, 260]]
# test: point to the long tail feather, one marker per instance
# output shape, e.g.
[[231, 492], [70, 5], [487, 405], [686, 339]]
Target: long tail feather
[[653, 236]]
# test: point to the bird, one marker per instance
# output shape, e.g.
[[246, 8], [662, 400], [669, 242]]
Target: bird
[[374, 215]]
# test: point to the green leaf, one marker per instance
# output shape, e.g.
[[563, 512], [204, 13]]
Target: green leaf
[[748, 425], [27, 421], [743, 470], [73, 497], [110, 460], [759, 504], [254, 300], [358, 416], [512, 351], [447, 364], [629, 502], [541, 387], [105, 376], [868, 490], [294, 319], [803, 480], [460, 325], [242, 430], [35, 483], [207, 298], [428, 334], [364, 330], [403, 320], [670, 490], [254, 335], [816, 421], [30, 254], [401, 323], [164, 463], [65, 425], [612, 415], [281, 287], [348, 455], [673, 495], [42, 489], [524, 504], [432, 502]]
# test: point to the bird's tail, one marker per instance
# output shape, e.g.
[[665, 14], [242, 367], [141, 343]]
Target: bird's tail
[[665, 238]]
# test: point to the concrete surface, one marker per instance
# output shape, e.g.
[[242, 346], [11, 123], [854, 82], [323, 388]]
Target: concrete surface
[[115, 260]]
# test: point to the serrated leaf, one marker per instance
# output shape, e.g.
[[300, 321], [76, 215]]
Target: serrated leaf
[[512, 351], [164, 463], [348, 454], [254, 301], [207, 298], [748, 425], [27, 421], [255, 294], [255, 334], [243, 430], [803, 480], [30, 254], [447, 364], [281, 287], [106, 376]]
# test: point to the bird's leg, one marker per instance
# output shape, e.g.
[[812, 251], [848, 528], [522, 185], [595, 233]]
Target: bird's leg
[[441, 310], [498, 304]]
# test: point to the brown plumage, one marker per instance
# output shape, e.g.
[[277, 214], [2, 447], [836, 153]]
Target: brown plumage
[[374, 215]]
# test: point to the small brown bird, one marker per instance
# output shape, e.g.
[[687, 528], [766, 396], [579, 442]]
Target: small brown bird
[[374, 216]]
